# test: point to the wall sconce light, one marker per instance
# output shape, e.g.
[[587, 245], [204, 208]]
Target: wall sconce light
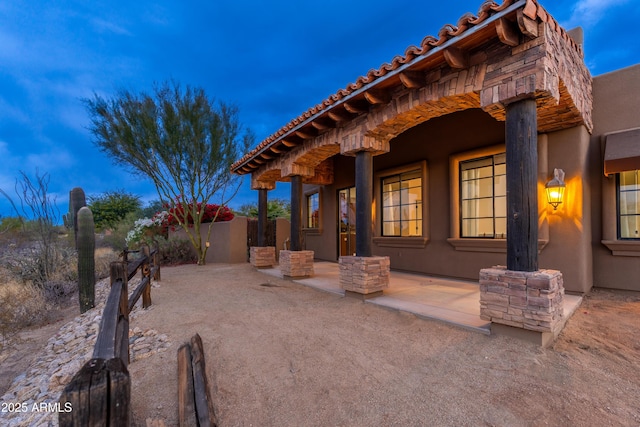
[[555, 188]]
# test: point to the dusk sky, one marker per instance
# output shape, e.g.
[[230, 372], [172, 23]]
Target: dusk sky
[[273, 59]]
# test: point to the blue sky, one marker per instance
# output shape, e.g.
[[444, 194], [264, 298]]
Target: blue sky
[[273, 59]]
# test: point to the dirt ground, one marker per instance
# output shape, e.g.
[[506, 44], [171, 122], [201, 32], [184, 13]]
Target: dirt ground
[[281, 354]]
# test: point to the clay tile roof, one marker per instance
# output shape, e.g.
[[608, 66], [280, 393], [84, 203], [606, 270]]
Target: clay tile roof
[[487, 9]]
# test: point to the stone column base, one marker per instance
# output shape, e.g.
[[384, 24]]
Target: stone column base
[[262, 257], [531, 301], [296, 264], [364, 275]]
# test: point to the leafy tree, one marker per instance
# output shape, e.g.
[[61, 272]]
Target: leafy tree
[[111, 207], [276, 208], [180, 139], [152, 208]]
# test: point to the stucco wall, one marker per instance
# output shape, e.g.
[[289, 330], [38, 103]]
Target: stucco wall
[[616, 107], [228, 240], [569, 228]]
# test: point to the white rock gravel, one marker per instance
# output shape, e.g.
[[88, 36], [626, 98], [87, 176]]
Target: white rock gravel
[[32, 398]]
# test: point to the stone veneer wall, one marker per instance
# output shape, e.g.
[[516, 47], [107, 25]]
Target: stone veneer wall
[[262, 257], [527, 300], [296, 263], [364, 275]]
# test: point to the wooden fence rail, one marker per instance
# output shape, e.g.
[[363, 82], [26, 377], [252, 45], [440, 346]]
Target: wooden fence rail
[[100, 393]]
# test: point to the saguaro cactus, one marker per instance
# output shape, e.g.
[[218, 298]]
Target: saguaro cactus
[[86, 245], [77, 200]]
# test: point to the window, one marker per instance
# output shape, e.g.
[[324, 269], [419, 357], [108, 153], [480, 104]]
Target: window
[[629, 205], [402, 204], [313, 210], [483, 197]]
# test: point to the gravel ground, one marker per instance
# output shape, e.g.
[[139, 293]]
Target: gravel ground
[[281, 354]]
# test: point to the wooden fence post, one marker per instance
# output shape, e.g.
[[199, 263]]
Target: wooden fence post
[[119, 275], [156, 263], [146, 272]]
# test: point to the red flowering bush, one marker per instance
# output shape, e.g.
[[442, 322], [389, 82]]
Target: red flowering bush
[[209, 215]]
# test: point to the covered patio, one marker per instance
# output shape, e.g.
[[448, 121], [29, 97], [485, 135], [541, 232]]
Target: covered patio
[[456, 302]]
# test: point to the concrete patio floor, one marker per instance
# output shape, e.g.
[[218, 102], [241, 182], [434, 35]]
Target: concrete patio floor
[[456, 302]]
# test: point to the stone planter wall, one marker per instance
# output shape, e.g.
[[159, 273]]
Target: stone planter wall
[[296, 264], [527, 300], [364, 275], [262, 257]]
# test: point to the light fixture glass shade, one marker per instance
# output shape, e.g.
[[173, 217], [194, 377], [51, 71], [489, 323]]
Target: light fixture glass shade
[[555, 188]]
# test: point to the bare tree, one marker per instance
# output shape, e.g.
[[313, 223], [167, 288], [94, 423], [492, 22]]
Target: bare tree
[[181, 140], [41, 208]]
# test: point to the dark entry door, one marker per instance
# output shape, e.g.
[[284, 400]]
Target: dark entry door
[[347, 222]]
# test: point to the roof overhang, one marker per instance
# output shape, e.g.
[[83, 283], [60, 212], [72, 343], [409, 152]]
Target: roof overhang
[[622, 151], [471, 30]]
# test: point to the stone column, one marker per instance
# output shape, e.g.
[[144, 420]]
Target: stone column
[[262, 256], [520, 299], [364, 276], [296, 263]]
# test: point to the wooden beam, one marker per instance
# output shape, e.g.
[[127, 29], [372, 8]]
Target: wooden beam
[[338, 116], [186, 396], [528, 26], [288, 143], [507, 33], [377, 97], [258, 161], [412, 79], [276, 150], [355, 107], [304, 134], [322, 125], [266, 156], [456, 57], [522, 185]]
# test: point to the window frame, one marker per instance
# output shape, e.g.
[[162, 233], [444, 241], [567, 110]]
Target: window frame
[[485, 244], [493, 197], [618, 210], [419, 241], [306, 213]]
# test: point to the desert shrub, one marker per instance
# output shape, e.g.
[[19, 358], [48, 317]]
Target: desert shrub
[[116, 237], [32, 266], [103, 258], [22, 305], [176, 251]]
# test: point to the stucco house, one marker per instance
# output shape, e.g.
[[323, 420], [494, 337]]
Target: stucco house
[[442, 162]]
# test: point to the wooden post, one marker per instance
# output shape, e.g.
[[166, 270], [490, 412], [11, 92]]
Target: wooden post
[[186, 396], [522, 189], [364, 200], [156, 263], [100, 391], [204, 404], [262, 217], [296, 213], [146, 272]]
